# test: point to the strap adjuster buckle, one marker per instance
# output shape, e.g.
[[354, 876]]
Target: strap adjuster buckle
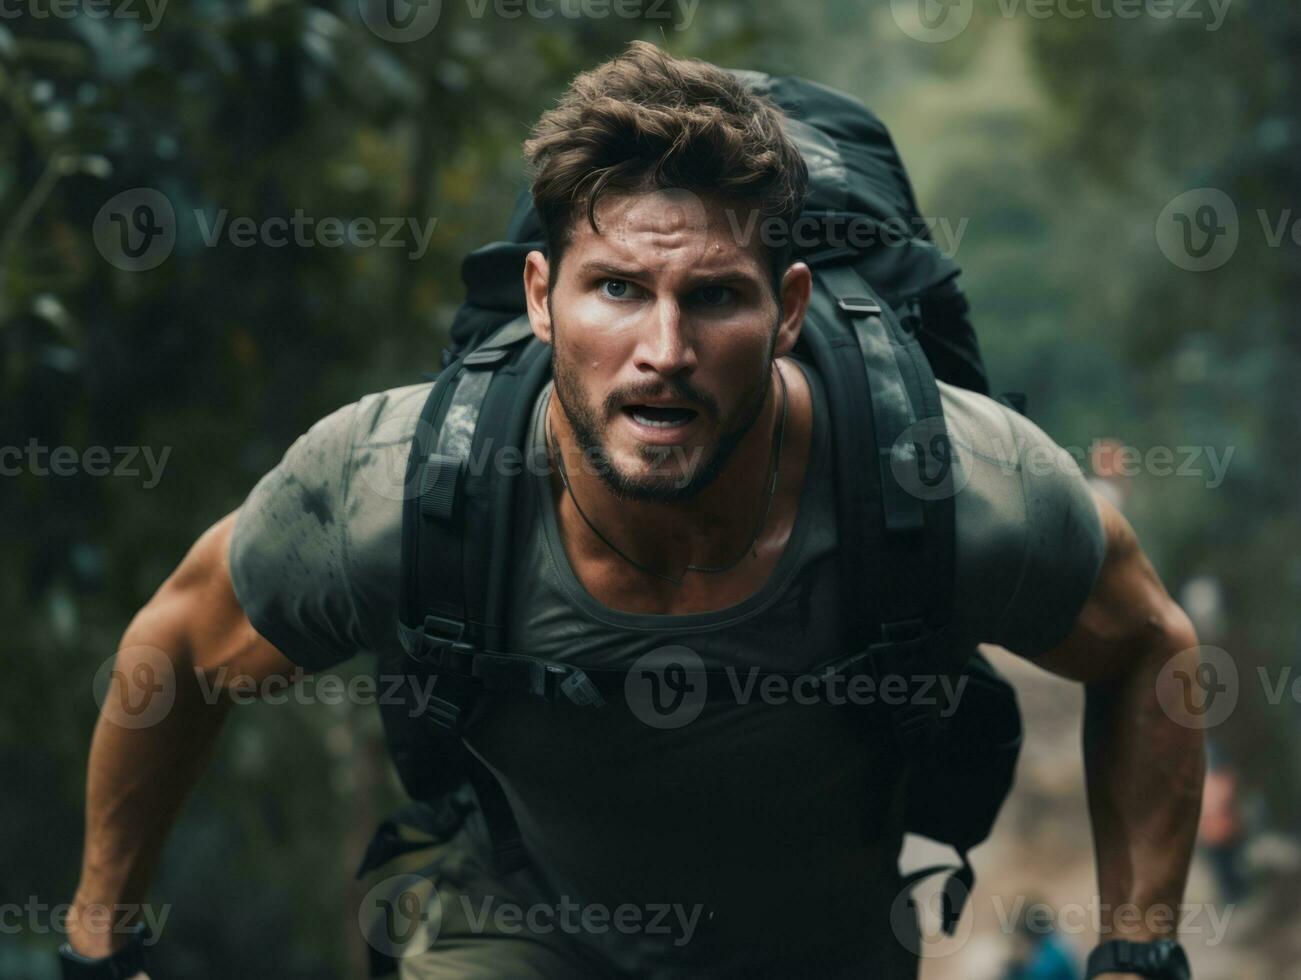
[[445, 647], [580, 689], [858, 305], [448, 713]]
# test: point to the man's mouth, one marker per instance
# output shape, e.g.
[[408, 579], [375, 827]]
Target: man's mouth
[[659, 416]]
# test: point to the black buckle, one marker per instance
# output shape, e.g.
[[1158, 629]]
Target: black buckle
[[550, 681], [451, 700], [444, 647], [440, 477]]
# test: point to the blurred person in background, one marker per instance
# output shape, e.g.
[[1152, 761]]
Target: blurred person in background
[[1221, 831], [1038, 950]]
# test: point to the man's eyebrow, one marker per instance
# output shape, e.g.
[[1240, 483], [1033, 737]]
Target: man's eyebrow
[[720, 277], [618, 272]]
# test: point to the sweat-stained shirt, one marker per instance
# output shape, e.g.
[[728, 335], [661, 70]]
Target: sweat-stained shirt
[[753, 812]]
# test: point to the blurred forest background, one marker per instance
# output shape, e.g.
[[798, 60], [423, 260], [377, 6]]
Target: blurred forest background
[[1051, 147]]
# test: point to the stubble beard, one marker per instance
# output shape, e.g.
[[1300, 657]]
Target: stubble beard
[[588, 430]]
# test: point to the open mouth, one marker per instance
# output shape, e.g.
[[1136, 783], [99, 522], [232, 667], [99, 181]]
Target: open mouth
[[659, 416]]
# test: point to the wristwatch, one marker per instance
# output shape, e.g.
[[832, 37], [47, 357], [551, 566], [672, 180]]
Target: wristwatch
[[119, 965], [1164, 959]]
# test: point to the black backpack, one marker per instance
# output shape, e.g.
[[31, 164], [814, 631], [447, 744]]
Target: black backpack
[[885, 319]]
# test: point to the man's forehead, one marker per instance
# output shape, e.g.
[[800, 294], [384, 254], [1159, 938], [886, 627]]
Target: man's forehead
[[670, 226]]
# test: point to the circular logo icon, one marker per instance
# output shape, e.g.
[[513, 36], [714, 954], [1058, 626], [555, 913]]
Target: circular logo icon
[[401, 915], [932, 460], [917, 917], [667, 688], [136, 687], [1198, 230], [135, 231], [1202, 694], [932, 21], [400, 21]]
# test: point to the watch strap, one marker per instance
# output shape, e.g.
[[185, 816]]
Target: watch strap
[[1162, 959], [121, 964]]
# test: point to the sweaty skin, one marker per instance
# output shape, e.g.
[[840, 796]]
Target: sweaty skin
[[1043, 568]]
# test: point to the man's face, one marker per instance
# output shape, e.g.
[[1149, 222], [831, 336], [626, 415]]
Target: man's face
[[664, 327]]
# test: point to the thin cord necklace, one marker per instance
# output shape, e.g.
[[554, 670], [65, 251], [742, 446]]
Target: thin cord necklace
[[774, 454]]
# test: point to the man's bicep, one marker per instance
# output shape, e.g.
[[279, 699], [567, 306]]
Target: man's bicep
[[195, 618]]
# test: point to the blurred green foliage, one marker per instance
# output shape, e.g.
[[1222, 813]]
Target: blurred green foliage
[[1052, 144]]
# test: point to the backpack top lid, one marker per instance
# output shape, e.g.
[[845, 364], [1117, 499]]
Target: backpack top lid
[[860, 203]]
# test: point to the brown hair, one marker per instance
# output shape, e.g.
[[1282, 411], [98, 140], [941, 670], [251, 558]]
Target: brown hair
[[645, 121]]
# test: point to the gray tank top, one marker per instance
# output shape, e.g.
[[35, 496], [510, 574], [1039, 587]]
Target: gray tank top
[[754, 795]]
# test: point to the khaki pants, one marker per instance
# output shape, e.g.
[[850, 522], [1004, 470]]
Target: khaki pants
[[437, 909]]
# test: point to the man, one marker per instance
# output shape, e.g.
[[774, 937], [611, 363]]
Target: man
[[689, 502]]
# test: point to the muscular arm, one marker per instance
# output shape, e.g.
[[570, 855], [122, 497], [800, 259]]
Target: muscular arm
[[1143, 767], [159, 721]]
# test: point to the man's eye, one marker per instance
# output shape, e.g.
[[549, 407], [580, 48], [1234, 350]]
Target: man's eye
[[616, 288], [715, 295]]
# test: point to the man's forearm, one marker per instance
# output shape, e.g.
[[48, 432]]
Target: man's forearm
[[1144, 772], [185, 652], [154, 736]]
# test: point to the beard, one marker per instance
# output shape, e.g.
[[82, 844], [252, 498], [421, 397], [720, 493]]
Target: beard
[[589, 427]]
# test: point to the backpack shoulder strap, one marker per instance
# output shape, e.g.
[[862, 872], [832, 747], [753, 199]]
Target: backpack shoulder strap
[[452, 591], [457, 530], [456, 524], [894, 482], [900, 541]]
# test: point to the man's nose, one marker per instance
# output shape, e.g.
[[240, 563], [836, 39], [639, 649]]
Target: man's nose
[[666, 345]]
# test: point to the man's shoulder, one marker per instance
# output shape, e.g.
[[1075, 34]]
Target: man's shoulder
[[1029, 538], [314, 557], [351, 460]]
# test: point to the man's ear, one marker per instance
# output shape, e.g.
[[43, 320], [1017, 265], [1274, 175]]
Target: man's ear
[[537, 274], [797, 287]]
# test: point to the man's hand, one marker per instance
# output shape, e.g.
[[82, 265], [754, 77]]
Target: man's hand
[[147, 754], [1144, 768]]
